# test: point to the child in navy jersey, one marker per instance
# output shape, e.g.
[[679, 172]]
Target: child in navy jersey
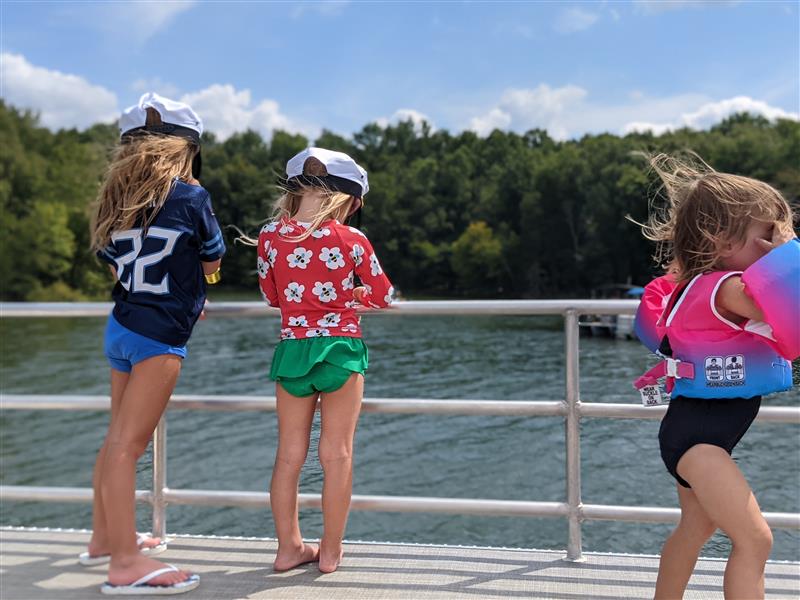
[[308, 262], [154, 225]]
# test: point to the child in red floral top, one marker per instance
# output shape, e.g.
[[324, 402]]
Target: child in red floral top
[[308, 261]]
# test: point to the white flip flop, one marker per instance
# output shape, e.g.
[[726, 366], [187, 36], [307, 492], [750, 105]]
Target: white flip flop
[[141, 587], [87, 560]]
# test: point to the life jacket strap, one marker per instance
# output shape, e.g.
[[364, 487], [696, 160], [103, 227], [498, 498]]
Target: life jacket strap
[[671, 368]]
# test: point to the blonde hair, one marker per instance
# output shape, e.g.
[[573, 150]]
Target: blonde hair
[[334, 205], [138, 181], [704, 210]]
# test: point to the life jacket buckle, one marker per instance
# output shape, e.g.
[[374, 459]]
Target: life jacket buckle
[[672, 367]]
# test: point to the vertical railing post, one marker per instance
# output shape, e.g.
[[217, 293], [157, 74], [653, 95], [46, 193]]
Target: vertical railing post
[[160, 478], [573, 434]]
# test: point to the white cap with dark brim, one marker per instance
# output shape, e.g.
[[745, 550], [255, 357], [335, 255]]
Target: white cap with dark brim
[[177, 118], [343, 173]]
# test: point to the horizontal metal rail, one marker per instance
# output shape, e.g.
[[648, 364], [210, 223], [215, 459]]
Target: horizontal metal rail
[[417, 307], [570, 409], [405, 406], [401, 504], [460, 506]]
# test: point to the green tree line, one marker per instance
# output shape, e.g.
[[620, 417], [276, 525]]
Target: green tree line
[[513, 215]]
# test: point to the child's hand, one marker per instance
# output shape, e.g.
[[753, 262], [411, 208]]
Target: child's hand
[[358, 293], [203, 312], [780, 235]]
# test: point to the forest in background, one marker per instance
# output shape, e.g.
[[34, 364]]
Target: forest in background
[[507, 215]]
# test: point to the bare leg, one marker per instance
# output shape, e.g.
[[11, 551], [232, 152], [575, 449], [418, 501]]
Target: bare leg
[[727, 499], [143, 402], [98, 544], [682, 548], [295, 416], [340, 410]]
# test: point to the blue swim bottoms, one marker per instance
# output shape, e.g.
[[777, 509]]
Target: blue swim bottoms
[[124, 348]]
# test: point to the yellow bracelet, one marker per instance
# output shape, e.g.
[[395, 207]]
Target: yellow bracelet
[[212, 278]]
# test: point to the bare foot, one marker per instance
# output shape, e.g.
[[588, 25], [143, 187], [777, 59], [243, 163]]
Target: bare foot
[[289, 559], [125, 572], [98, 547], [330, 561]]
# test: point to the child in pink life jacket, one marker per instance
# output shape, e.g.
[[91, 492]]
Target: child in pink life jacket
[[308, 262], [725, 319]]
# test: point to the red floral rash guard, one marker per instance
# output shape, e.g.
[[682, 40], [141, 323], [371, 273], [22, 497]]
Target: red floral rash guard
[[312, 280]]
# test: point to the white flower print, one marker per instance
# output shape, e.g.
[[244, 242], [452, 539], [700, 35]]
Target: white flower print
[[298, 321], [357, 254], [389, 297], [294, 292], [264, 296], [325, 292], [263, 268], [272, 253], [348, 282], [330, 320], [374, 265], [299, 258], [286, 228], [270, 227], [351, 304], [367, 287], [287, 334], [356, 231], [332, 257], [319, 332], [350, 328], [321, 233]]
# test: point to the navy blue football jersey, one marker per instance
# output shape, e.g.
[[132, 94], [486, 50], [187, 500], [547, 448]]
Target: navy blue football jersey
[[161, 288]]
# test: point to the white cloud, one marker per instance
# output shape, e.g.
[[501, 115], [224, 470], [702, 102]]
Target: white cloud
[[711, 113], [714, 112], [138, 21], [407, 114], [642, 126], [226, 110], [523, 109], [568, 111], [496, 118], [574, 19], [63, 100]]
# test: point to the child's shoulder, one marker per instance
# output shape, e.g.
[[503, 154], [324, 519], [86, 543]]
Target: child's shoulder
[[346, 231], [191, 192], [270, 228]]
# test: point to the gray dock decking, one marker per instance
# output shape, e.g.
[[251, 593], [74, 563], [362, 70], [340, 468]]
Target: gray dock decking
[[42, 564]]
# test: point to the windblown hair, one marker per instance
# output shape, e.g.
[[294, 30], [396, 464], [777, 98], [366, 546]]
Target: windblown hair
[[138, 181], [704, 211], [333, 204]]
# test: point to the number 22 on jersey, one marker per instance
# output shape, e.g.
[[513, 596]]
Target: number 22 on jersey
[[136, 283]]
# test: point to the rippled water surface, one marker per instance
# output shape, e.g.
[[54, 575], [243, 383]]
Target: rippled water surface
[[519, 458]]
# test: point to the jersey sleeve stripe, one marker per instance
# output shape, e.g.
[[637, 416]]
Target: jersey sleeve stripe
[[213, 241]]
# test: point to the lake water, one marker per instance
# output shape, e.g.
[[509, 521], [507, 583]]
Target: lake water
[[514, 458]]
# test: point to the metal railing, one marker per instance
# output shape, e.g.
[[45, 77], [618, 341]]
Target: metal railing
[[571, 409]]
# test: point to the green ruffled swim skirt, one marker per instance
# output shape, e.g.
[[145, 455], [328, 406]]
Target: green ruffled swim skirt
[[320, 364]]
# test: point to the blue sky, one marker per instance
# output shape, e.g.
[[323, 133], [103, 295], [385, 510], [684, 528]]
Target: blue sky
[[569, 67]]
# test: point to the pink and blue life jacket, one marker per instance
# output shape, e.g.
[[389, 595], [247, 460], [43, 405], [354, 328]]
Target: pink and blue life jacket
[[709, 356]]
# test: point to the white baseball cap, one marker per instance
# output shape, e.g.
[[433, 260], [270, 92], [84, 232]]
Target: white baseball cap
[[178, 118], [344, 174]]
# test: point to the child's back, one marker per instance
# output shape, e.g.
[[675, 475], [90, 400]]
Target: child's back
[[312, 280]]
